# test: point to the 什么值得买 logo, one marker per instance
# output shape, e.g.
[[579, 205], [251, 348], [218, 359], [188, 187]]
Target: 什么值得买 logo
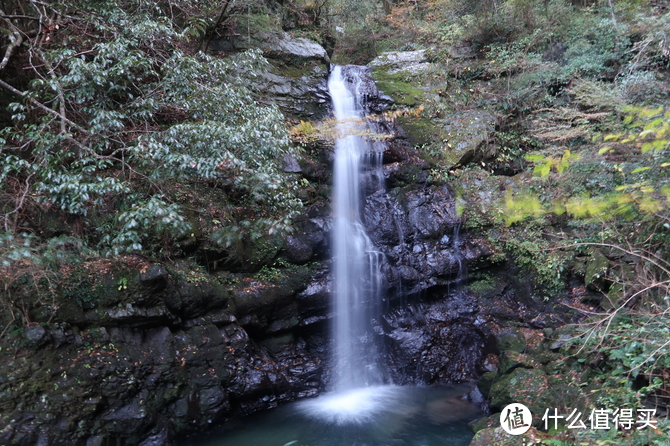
[[516, 419]]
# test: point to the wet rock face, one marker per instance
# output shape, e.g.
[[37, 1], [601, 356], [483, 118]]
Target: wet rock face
[[437, 342], [305, 96], [311, 239], [373, 99], [419, 232]]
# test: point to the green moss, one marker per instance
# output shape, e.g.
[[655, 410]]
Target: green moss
[[400, 87], [421, 130], [79, 287], [256, 22], [263, 250], [295, 71], [596, 270], [482, 286]]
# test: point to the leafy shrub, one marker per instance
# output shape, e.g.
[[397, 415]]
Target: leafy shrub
[[29, 274], [641, 87], [136, 116]]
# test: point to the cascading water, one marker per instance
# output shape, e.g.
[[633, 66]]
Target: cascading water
[[356, 392], [356, 261]]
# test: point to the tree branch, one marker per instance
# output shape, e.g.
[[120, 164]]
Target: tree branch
[[20, 205], [218, 22], [61, 96], [38, 104], [16, 16], [15, 38]]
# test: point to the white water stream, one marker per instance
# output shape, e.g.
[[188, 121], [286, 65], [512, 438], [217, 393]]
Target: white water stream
[[356, 262], [356, 391]]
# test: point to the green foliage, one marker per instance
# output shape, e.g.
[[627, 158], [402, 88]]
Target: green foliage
[[269, 273], [641, 87], [594, 53], [536, 257], [154, 217], [632, 330], [596, 96], [653, 49], [645, 189], [545, 164], [134, 115], [29, 274], [635, 332], [354, 22]]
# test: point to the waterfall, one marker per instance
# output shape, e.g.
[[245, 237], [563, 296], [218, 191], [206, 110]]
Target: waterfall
[[361, 402], [356, 262]]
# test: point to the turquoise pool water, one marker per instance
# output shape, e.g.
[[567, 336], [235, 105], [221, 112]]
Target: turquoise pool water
[[371, 416]]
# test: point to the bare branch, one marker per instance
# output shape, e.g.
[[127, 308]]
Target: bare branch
[[220, 20], [61, 96], [21, 201], [16, 16], [15, 38]]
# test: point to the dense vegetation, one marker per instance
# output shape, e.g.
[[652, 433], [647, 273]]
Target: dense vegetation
[[120, 135]]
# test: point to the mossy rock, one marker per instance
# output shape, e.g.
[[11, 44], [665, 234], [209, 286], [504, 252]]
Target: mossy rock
[[400, 87], [510, 340], [485, 288], [510, 360], [614, 295], [525, 386], [296, 71], [262, 250], [422, 131], [486, 381], [596, 270], [546, 357], [465, 133], [555, 367], [485, 423]]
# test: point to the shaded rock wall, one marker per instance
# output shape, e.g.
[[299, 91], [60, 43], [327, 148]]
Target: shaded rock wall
[[163, 357]]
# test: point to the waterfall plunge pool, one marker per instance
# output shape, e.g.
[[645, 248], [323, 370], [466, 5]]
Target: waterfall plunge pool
[[368, 416]]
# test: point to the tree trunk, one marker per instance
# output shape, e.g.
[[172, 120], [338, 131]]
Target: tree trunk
[[387, 6]]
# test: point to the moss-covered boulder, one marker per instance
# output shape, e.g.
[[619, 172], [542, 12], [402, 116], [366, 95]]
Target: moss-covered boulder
[[510, 340], [596, 270], [525, 386], [510, 360]]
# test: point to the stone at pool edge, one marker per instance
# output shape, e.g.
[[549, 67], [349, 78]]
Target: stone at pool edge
[[510, 360], [479, 424], [496, 436], [485, 383], [512, 340]]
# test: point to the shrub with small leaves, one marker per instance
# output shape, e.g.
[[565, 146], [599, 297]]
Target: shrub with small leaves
[[133, 116]]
